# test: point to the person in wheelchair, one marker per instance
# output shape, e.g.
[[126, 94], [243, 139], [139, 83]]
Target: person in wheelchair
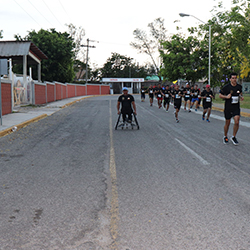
[[128, 108]]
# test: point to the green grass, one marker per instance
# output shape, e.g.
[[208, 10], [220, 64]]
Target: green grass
[[243, 104]]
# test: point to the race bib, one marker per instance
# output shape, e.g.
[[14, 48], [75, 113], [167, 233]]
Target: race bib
[[177, 96], [208, 99], [151, 91], [187, 96], [235, 99], [167, 95], [188, 92], [199, 96], [159, 95], [142, 91]]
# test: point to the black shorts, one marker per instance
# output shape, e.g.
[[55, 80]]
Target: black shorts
[[166, 100], [207, 106], [231, 113], [186, 98], [177, 105], [151, 96]]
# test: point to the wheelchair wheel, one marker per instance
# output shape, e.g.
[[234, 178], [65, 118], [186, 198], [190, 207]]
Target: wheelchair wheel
[[118, 120], [136, 122]]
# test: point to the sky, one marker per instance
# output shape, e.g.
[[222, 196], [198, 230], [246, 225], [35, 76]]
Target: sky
[[108, 23]]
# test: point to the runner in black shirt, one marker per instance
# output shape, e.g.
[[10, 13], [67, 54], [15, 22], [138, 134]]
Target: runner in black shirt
[[195, 97], [158, 94], [207, 96], [167, 94], [177, 94], [187, 97], [127, 102], [151, 95], [232, 94], [143, 93]]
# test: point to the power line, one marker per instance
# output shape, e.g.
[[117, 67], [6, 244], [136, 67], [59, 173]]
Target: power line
[[53, 14], [65, 10], [41, 13], [27, 13]]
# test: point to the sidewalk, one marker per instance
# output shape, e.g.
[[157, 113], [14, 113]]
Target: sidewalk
[[24, 115]]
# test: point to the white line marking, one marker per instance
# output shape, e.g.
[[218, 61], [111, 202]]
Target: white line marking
[[114, 211], [204, 162]]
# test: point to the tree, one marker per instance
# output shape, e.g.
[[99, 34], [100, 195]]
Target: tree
[[182, 58], [77, 35], [1, 34], [230, 41], [58, 47], [150, 44], [119, 66]]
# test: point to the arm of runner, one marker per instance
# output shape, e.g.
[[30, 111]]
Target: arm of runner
[[118, 108], [225, 96]]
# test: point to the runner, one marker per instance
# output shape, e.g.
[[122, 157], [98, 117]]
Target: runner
[[143, 94], [187, 97], [195, 97], [207, 96], [232, 94], [167, 94], [177, 95], [158, 93], [151, 95]]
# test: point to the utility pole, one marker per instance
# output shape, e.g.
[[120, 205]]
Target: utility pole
[[87, 56]]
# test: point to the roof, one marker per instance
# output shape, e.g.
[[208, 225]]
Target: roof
[[18, 49]]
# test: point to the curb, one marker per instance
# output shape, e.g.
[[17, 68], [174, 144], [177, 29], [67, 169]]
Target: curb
[[71, 103], [21, 125]]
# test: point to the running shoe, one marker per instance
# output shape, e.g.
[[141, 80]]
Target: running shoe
[[203, 118], [189, 110], [166, 110], [195, 109], [207, 120], [225, 140], [177, 120], [234, 140]]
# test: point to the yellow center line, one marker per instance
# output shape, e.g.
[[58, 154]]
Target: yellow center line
[[114, 193]]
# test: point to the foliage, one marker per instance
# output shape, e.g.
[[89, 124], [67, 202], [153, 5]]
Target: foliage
[[119, 66], [182, 58], [58, 47], [230, 48], [1, 34]]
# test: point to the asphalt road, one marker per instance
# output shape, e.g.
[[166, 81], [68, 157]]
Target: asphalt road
[[70, 181]]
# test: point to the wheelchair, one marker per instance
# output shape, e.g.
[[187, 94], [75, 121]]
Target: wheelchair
[[126, 124]]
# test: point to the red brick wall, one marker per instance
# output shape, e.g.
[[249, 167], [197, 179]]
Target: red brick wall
[[80, 90], [58, 91], [71, 91], [50, 92], [105, 89], [64, 92], [6, 98], [93, 89], [40, 94]]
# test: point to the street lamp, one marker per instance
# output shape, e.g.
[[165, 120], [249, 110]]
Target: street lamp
[[209, 56]]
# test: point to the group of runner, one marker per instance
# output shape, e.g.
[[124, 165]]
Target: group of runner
[[231, 93], [192, 98]]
